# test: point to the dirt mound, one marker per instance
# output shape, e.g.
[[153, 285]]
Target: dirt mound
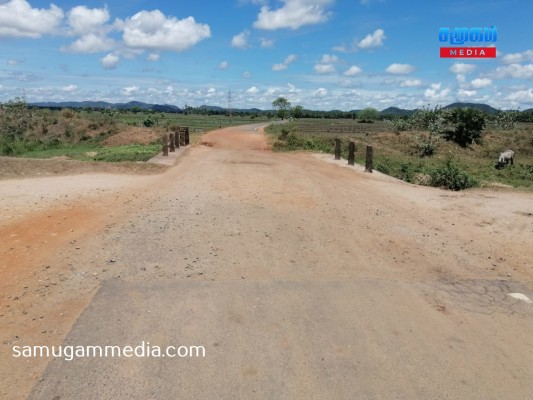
[[133, 135]]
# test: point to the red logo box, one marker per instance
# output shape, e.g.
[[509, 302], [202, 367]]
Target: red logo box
[[468, 52]]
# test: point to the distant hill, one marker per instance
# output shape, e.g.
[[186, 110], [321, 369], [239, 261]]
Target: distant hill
[[103, 105], [396, 111], [481, 107], [391, 111]]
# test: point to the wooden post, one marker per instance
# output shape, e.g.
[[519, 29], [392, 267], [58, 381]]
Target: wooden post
[[351, 153], [172, 144], [177, 139], [369, 163], [186, 135], [164, 139], [182, 136], [337, 149]]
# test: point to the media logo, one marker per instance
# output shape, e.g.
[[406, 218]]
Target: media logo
[[460, 36]]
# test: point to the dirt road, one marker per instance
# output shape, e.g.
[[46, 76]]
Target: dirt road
[[301, 278]]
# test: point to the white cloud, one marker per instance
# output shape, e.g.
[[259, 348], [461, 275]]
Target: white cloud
[[91, 25], [130, 90], [434, 92], [341, 48], [223, 65], [522, 96], [279, 67], [466, 93], [411, 83], [83, 20], [353, 70], [481, 83], [110, 61], [293, 89], [293, 14], [373, 40], [461, 68], [516, 71], [283, 66], [14, 62], [153, 57], [153, 30], [328, 59], [240, 41], [324, 68], [517, 58], [291, 58], [267, 43], [321, 92], [19, 19], [252, 90], [69, 88], [247, 74], [400, 69], [90, 43]]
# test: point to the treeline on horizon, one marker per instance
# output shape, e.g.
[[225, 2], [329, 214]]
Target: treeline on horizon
[[367, 114]]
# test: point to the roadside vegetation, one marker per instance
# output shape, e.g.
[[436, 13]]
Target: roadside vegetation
[[453, 149], [99, 134]]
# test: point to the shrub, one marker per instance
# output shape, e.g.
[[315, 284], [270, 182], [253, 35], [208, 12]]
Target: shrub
[[465, 125], [16, 118], [506, 120], [449, 176], [384, 166], [399, 125], [426, 145], [407, 172], [149, 122], [68, 113], [283, 134]]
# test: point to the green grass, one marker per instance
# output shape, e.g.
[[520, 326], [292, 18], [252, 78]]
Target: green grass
[[196, 123], [132, 152], [396, 154]]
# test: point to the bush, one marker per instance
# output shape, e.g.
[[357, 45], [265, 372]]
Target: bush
[[407, 172], [384, 166], [16, 119], [465, 125], [399, 125], [426, 145], [68, 113], [449, 176], [149, 122], [506, 120]]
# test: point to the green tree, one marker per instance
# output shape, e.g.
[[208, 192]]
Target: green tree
[[466, 125], [16, 118], [297, 112], [282, 105], [507, 120], [368, 114]]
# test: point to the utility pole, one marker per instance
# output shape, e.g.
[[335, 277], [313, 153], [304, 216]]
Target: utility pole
[[229, 105]]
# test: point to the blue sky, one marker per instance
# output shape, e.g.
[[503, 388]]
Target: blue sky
[[321, 54]]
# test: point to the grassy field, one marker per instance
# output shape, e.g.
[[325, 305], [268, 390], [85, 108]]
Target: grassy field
[[396, 153], [196, 123], [108, 136]]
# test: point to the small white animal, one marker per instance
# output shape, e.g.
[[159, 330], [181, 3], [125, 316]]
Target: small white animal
[[506, 157]]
